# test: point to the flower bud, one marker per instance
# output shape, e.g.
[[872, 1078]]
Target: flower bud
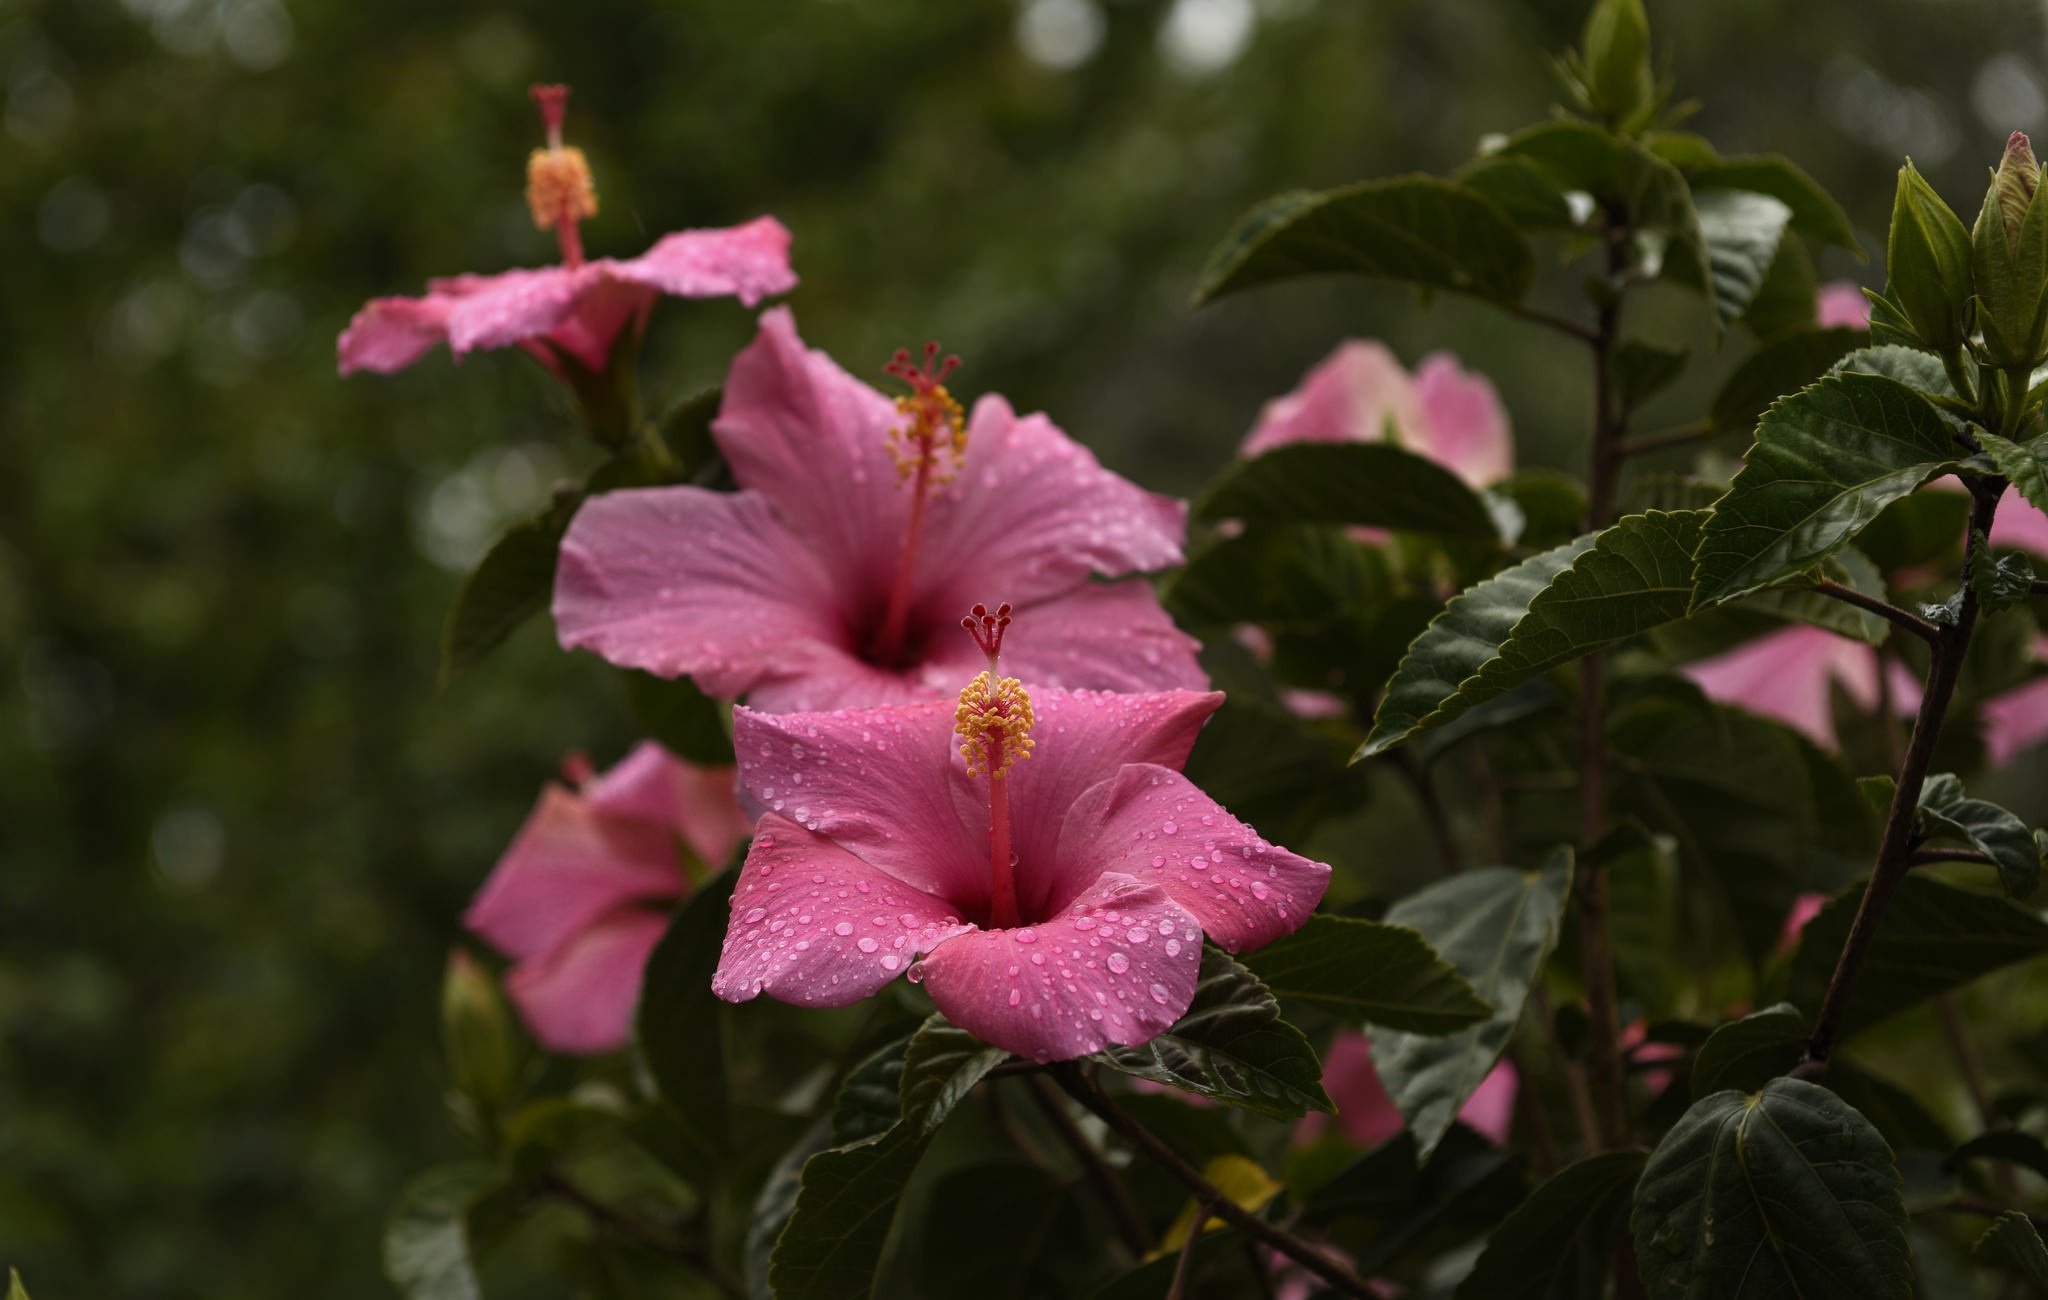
[[2009, 261], [1615, 48], [2015, 182], [476, 1034], [1928, 264]]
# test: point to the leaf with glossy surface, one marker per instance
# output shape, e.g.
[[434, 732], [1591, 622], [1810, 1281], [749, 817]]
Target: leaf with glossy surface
[[513, 582], [1814, 211], [1559, 1244], [2025, 463], [1742, 230], [1750, 1052], [1232, 1046], [1786, 1192], [940, 1066], [2014, 1244], [1779, 367], [677, 1026], [1826, 461], [426, 1237], [1370, 483], [1418, 230], [1623, 581], [1369, 971], [1945, 813], [1496, 925], [1935, 937]]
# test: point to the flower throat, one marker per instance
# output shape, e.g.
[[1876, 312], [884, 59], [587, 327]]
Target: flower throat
[[928, 449], [994, 720]]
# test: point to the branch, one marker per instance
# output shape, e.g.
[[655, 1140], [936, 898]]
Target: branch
[[1184, 1267], [1884, 609], [1431, 805], [1921, 857], [1698, 431], [1548, 321], [1084, 1090], [1130, 1224]]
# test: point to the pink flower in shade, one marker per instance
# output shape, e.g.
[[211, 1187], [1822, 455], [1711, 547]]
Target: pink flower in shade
[[2019, 524], [578, 308], [1444, 412], [1036, 860], [1367, 1116], [1804, 908], [584, 893], [836, 576], [2017, 720], [1785, 675], [1636, 1047], [1840, 304]]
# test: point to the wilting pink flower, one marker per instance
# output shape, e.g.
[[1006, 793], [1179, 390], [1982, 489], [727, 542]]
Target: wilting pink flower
[[1036, 860], [836, 576], [2017, 720], [1840, 304], [578, 308], [1444, 412], [1367, 1115], [1785, 675], [584, 893]]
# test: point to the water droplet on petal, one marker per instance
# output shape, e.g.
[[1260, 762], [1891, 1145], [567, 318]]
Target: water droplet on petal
[[1119, 963], [843, 928]]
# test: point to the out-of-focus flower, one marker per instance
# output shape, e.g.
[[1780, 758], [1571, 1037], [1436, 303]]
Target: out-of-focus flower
[[1635, 1045], [1785, 675], [583, 894], [1840, 304], [1361, 393], [1804, 908], [1035, 859], [575, 310], [1367, 1116], [836, 576], [2017, 720]]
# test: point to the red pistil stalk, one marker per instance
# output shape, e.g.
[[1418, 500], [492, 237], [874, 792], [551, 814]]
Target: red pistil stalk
[[559, 192], [935, 429], [994, 717]]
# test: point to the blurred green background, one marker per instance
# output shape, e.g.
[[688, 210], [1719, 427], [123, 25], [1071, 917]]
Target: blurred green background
[[237, 819]]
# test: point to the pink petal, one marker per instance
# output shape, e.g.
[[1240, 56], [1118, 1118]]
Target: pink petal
[[593, 324], [2016, 721], [1116, 966], [390, 334], [815, 926], [1348, 397], [1365, 1113], [684, 580], [580, 997], [1804, 908], [1098, 636], [748, 262], [1785, 675], [569, 864], [1151, 823], [1840, 304], [883, 784], [1464, 427], [695, 802], [2019, 525], [1032, 513], [1490, 1110]]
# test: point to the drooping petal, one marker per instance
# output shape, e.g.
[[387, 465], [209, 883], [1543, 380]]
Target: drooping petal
[[2015, 721], [815, 926], [1347, 397], [695, 802], [1117, 965], [749, 262], [569, 864], [1464, 427], [390, 334], [1153, 824], [1840, 304], [579, 997], [1033, 512], [518, 304], [1785, 675], [684, 580], [886, 785], [1111, 636]]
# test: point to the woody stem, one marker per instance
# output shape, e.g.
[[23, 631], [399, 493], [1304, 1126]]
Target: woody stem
[[1002, 904], [889, 641]]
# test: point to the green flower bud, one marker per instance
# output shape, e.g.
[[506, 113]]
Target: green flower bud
[[1616, 52], [476, 1034], [2017, 179], [1928, 263], [2009, 261]]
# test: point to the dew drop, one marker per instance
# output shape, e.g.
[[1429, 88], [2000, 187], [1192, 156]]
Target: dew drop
[[1119, 963], [843, 928], [867, 944]]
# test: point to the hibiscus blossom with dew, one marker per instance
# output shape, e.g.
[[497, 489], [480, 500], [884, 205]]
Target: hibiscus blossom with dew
[[1787, 674], [575, 311], [1361, 393], [835, 577], [1034, 858], [585, 891]]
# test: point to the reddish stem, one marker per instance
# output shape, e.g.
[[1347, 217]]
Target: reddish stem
[[889, 641], [1002, 903], [569, 237]]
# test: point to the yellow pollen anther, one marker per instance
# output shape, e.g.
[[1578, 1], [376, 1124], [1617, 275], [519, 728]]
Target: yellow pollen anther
[[558, 185], [994, 717], [936, 433]]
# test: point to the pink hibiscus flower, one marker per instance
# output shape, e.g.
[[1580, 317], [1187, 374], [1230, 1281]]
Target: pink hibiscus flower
[[1449, 414], [584, 893], [1840, 304], [2017, 720], [577, 309], [835, 577], [1036, 860], [1785, 675], [1367, 1116]]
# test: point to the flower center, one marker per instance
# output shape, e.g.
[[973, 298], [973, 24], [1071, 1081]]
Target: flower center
[[929, 447], [559, 191], [993, 721]]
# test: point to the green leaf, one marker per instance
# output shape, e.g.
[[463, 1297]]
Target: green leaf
[[2013, 1244], [1496, 925], [1786, 1192], [426, 1241], [1913, 367], [688, 723], [1418, 230], [870, 1099], [1826, 460], [1559, 1244], [1795, 601], [2008, 1145], [1750, 1052], [1277, 575], [1935, 937], [686, 433], [1280, 773], [1232, 1046], [15, 1290], [940, 1067], [514, 581], [1642, 370], [1369, 971], [1742, 231], [1946, 814], [2026, 464], [1780, 366], [1787, 300], [1521, 189], [677, 1025], [1372, 483], [1543, 612], [1814, 211], [1552, 506], [1615, 53]]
